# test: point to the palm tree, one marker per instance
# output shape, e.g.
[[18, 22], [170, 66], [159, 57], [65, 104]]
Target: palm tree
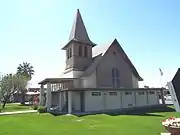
[[27, 70]]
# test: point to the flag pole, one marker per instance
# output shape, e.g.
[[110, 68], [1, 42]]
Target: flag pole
[[161, 77]]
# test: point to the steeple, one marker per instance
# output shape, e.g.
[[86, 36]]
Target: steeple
[[79, 32]]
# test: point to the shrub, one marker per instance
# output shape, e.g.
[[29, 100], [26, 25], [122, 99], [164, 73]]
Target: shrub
[[35, 107], [42, 109]]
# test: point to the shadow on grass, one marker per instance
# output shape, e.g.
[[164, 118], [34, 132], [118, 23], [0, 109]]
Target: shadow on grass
[[141, 111]]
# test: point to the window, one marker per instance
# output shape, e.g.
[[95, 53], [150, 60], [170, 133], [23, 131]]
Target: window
[[96, 93], [112, 93], [67, 53], [80, 51], [70, 52], [151, 92], [115, 78], [85, 52], [141, 93], [128, 93], [130, 104]]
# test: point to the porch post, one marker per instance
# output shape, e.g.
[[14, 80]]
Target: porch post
[[135, 102], [69, 102], [162, 97], [48, 96], [60, 98], [147, 97], [41, 96]]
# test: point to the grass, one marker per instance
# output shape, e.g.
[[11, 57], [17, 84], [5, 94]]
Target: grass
[[101, 124], [15, 107]]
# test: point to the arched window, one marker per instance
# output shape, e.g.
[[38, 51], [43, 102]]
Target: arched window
[[80, 51], [85, 52], [70, 52], [115, 78]]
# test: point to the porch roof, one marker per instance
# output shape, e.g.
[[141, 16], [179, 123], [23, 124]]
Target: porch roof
[[55, 80], [113, 89]]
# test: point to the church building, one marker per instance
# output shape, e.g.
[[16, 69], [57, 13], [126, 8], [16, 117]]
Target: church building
[[96, 77]]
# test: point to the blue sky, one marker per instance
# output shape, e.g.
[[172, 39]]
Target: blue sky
[[35, 30]]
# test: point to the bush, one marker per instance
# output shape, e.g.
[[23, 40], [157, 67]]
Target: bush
[[42, 109], [35, 107]]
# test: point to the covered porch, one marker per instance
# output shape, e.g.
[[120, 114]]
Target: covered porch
[[56, 94]]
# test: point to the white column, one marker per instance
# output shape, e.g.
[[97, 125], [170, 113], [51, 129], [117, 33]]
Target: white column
[[60, 98], [48, 96], [41, 96], [69, 102]]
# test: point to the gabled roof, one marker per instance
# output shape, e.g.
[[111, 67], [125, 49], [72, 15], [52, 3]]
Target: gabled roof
[[102, 50], [79, 32]]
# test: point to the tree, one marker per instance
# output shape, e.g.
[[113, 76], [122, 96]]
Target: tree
[[9, 84], [27, 70]]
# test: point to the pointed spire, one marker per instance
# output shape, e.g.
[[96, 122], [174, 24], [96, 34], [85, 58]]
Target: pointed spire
[[78, 32]]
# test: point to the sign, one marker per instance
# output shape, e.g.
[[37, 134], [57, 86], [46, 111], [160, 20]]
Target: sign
[[174, 89]]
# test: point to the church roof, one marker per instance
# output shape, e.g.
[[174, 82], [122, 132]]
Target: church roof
[[99, 52], [79, 32]]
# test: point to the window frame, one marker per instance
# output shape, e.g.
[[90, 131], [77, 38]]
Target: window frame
[[112, 93], [127, 93], [141, 93], [85, 51], [70, 52], [115, 78], [67, 53], [151, 92], [80, 51], [95, 93]]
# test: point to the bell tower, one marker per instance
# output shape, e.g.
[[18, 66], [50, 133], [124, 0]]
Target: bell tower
[[79, 47]]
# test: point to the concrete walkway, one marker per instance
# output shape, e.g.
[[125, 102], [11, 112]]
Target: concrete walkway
[[18, 112]]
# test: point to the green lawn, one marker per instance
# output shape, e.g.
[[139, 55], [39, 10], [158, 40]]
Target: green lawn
[[47, 124], [15, 107]]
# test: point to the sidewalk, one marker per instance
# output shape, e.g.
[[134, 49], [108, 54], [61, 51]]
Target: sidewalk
[[18, 112]]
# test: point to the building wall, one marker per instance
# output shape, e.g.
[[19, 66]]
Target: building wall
[[81, 62], [141, 98], [112, 98], [76, 103], [93, 103], [113, 59], [122, 99], [153, 97], [78, 62], [89, 81], [128, 99], [135, 81], [71, 74]]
